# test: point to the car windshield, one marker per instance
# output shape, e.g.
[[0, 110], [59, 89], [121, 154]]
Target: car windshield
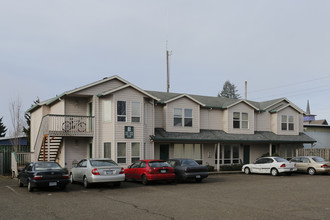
[[278, 159], [158, 164], [47, 166], [318, 159], [186, 163], [102, 163]]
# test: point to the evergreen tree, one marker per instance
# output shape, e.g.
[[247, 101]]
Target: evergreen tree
[[229, 91], [3, 128], [27, 130]]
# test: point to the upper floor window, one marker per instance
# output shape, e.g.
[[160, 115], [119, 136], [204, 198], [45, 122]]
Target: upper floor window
[[240, 120], [136, 112], [121, 111], [184, 115], [106, 111], [135, 152], [287, 123]]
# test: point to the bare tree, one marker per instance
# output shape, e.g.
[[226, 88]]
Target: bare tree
[[16, 114]]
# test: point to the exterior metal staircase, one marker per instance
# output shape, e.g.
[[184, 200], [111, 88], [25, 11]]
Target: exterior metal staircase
[[50, 148]]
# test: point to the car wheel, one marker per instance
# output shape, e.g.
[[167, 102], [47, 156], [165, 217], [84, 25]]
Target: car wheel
[[30, 188], [145, 180], [247, 170], [71, 178], [86, 183], [311, 171], [274, 172], [20, 184]]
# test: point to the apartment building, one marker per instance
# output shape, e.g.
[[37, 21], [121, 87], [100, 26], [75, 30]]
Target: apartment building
[[113, 118]]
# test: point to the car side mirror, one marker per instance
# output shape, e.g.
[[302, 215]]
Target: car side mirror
[[130, 166], [75, 165]]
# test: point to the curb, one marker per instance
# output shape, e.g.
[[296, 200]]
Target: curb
[[225, 172]]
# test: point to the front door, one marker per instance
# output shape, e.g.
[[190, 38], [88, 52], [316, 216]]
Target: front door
[[164, 151], [246, 150]]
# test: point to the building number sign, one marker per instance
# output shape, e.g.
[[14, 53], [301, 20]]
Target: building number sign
[[129, 132]]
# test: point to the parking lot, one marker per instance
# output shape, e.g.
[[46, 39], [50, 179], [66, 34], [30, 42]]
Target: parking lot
[[227, 196]]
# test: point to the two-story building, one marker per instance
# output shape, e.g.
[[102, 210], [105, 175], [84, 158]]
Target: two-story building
[[113, 118]]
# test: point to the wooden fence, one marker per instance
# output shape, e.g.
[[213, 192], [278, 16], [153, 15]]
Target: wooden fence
[[320, 152], [5, 162]]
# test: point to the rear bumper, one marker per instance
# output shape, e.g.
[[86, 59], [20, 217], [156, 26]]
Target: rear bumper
[[287, 169], [195, 175], [49, 183], [106, 179], [323, 170], [167, 176]]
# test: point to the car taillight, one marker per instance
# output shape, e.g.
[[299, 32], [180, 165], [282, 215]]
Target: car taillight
[[324, 166], [65, 176], [152, 171], [283, 165], [95, 172], [121, 171], [38, 177]]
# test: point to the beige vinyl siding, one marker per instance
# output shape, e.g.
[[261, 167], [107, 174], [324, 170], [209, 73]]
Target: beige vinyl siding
[[183, 103], [76, 106], [106, 86], [263, 121], [57, 108], [106, 129], [211, 119], [159, 116], [288, 112], [75, 149], [147, 147], [128, 95], [36, 118], [241, 108]]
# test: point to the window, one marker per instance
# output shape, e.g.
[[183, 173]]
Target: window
[[121, 111], [236, 120], [193, 151], [229, 154], [287, 123], [106, 111], [107, 150], [136, 112], [188, 117], [245, 120], [121, 153], [291, 123], [240, 120], [135, 152], [177, 117]]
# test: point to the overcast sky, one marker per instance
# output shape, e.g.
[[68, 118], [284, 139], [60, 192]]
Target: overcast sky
[[281, 48]]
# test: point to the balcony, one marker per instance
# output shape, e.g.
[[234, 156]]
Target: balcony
[[69, 125]]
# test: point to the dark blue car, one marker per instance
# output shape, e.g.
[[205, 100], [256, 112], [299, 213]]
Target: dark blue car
[[43, 174]]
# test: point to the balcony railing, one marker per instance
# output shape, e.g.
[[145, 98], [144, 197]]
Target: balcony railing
[[70, 125]]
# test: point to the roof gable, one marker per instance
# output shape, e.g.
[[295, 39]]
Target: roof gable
[[184, 96]]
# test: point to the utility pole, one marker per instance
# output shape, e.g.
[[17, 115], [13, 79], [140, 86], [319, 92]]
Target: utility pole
[[168, 54]]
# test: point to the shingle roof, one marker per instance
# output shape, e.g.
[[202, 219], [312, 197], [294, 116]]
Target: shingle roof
[[214, 136]]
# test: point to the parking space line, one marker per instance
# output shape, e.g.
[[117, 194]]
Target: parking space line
[[14, 191]]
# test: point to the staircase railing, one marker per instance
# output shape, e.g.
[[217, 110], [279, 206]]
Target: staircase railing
[[19, 160], [63, 125]]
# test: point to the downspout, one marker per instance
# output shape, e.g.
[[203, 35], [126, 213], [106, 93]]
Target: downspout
[[270, 149], [218, 157]]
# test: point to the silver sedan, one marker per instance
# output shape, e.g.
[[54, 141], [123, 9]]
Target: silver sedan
[[90, 171]]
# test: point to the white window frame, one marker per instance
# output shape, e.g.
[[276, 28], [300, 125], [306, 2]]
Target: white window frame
[[240, 120], [175, 116], [287, 122], [135, 157], [121, 115], [135, 116], [187, 117], [104, 147], [107, 110], [122, 157]]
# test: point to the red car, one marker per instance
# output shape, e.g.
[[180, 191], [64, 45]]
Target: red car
[[150, 170]]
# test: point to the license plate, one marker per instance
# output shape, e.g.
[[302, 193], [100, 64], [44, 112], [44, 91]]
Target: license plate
[[109, 172], [163, 171], [52, 183], [198, 176]]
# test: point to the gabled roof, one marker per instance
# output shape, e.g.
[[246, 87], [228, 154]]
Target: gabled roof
[[281, 107], [244, 101], [126, 86], [186, 96]]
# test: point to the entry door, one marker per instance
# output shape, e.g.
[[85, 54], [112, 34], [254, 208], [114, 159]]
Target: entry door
[[246, 150], [164, 151]]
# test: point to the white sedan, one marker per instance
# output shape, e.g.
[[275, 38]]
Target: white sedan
[[270, 165]]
